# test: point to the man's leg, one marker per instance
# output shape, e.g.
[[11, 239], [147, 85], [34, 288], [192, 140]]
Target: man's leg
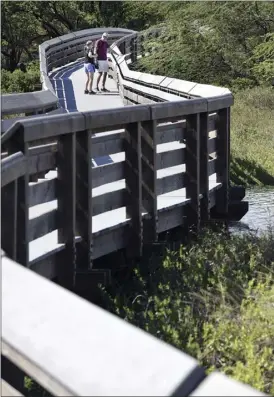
[[104, 80], [98, 80]]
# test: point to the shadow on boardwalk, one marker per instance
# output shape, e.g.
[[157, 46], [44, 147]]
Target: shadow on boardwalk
[[64, 88]]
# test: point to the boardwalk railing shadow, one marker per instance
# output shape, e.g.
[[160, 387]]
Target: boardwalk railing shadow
[[64, 88]]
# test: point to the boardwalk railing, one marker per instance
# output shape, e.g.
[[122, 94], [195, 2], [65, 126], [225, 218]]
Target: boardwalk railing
[[52, 54], [172, 169], [73, 348], [145, 186]]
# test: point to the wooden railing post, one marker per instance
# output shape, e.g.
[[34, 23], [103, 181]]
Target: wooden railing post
[[204, 178], [84, 200], [133, 177], [66, 196], [9, 219], [222, 169], [149, 181], [21, 207], [193, 169]]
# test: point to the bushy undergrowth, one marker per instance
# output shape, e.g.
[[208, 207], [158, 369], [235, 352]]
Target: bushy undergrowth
[[252, 137], [18, 81], [213, 299]]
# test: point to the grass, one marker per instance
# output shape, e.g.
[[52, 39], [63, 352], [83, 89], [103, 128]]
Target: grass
[[252, 137], [212, 298]]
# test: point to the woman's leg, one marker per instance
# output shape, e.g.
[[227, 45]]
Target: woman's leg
[[87, 82], [91, 74]]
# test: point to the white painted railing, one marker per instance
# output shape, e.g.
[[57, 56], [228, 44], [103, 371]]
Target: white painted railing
[[74, 348]]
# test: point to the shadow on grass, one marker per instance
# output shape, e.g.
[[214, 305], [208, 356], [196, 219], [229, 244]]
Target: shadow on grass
[[246, 172]]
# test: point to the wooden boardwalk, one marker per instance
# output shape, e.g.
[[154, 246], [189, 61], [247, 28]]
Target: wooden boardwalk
[[76, 76]]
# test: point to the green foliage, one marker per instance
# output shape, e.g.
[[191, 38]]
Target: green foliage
[[252, 137], [19, 81], [263, 59], [222, 43], [200, 299], [33, 389]]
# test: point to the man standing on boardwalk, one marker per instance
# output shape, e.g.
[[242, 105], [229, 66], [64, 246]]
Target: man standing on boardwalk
[[101, 49]]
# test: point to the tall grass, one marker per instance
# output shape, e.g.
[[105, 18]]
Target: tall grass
[[252, 137], [213, 299]]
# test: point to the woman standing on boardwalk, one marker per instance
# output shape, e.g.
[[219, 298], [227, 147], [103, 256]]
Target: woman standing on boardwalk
[[89, 66]]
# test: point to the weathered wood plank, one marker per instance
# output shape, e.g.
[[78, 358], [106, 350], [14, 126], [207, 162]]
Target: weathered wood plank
[[109, 201], [12, 167], [170, 218], [111, 240], [41, 162], [204, 180], [168, 110], [107, 144], [66, 198], [84, 200], [171, 182], [26, 102], [51, 265], [212, 144], [171, 132], [106, 337], [43, 224], [149, 180], [171, 158], [9, 218], [107, 173], [133, 180], [212, 167], [42, 191], [193, 168]]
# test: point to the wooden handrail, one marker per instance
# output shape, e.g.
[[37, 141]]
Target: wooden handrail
[[74, 348]]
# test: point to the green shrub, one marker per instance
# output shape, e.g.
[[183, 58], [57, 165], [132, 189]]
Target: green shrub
[[239, 339], [180, 299], [19, 81]]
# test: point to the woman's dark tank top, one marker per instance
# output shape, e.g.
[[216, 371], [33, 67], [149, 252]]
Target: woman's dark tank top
[[87, 58]]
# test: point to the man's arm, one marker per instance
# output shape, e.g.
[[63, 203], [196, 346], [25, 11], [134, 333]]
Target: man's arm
[[96, 47]]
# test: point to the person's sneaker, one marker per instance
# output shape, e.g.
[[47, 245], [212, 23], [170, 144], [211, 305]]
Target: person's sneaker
[[86, 91], [104, 89], [92, 92]]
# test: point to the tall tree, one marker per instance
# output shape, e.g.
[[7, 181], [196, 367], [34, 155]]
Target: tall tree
[[19, 31]]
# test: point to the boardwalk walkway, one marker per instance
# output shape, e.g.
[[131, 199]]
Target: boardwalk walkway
[[69, 84]]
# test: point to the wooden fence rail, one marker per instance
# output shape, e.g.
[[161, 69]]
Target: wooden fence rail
[[146, 183], [73, 348]]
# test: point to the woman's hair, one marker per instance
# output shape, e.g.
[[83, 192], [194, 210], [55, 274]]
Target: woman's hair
[[89, 43]]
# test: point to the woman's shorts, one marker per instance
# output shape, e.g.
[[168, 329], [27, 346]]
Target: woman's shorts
[[103, 66], [89, 67]]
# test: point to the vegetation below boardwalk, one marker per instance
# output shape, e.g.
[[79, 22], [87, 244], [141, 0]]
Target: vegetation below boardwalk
[[213, 299]]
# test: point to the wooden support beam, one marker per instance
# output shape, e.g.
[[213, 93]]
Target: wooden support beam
[[84, 199], [149, 180], [133, 178], [66, 198], [192, 140]]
